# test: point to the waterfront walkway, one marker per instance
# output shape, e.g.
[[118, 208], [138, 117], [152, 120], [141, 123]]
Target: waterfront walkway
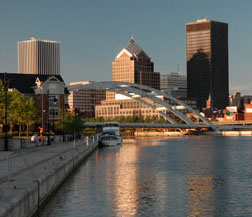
[[20, 169], [28, 159]]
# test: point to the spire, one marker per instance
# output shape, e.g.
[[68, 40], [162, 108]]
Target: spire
[[132, 40], [209, 104], [209, 97]]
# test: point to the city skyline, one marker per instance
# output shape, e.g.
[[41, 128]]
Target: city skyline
[[96, 30]]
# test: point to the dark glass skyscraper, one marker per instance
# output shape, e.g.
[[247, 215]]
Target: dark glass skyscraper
[[207, 62]]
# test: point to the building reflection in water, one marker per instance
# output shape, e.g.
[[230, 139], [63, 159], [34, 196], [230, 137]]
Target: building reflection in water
[[200, 181], [201, 196], [140, 187], [136, 189], [125, 184]]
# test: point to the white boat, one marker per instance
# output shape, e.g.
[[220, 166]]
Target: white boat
[[110, 134], [110, 140]]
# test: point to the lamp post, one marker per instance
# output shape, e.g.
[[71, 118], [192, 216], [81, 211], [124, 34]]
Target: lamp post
[[6, 85], [65, 106], [48, 127], [54, 101], [64, 123], [42, 106], [53, 120]]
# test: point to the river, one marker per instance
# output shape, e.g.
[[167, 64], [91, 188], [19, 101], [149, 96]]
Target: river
[[184, 176]]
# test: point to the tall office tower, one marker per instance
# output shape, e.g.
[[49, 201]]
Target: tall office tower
[[133, 65], [39, 57], [207, 62], [175, 84]]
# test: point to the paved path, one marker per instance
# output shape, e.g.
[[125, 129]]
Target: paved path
[[27, 160], [28, 177]]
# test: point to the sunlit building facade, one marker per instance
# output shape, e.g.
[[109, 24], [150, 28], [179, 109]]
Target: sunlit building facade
[[110, 109], [39, 57], [133, 65], [85, 100], [207, 62]]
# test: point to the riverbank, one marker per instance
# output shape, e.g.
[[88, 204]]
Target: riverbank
[[28, 179], [183, 133]]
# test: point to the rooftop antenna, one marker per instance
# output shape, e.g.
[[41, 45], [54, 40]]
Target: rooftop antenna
[[178, 68]]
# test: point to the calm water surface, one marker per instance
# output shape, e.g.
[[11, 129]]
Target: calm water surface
[[194, 176]]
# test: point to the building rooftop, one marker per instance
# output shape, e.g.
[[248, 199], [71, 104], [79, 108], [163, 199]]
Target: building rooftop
[[204, 21], [34, 39], [133, 49], [81, 82], [24, 83]]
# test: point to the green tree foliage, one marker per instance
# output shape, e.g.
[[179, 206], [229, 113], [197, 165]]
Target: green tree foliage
[[21, 109], [29, 113], [1, 102], [69, 122]]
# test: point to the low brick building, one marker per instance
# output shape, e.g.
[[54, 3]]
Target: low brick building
[[248, 111], [48, 91]]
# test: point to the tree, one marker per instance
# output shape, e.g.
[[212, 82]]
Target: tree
[[15, 109], [30, 113], [1, 102], [21, 109], [69, 123]]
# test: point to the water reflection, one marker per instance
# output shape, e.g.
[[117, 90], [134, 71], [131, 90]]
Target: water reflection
[[201, 196], [125, 182], [196, 176]]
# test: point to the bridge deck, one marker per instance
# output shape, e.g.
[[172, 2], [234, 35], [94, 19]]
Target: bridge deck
[[173, 126]]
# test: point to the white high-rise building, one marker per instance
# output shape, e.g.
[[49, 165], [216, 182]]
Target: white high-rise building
[[39, 57]]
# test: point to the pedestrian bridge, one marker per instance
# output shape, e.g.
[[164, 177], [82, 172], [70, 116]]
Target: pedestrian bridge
[[173, 126], [152, 125], [140, 92]]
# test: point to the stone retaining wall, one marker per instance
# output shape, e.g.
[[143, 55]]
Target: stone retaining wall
[[29, 196]]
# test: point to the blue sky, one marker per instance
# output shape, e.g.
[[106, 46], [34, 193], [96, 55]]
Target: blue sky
[[92, 32]]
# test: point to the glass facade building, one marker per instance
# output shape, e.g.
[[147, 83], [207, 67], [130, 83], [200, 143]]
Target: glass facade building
[[174, 84], [207, 62]]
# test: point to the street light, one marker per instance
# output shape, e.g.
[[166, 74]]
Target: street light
[[6, 86], [54, 101], [48, 127], [42, 105], [65, 106]]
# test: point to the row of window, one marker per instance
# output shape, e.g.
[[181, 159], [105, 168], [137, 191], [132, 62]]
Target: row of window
[[116, 112]]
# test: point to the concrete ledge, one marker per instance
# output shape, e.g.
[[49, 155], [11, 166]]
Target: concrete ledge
[[24, 197], [17, 144]]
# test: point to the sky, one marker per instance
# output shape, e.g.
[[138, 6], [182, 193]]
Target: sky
[[93, 32]]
